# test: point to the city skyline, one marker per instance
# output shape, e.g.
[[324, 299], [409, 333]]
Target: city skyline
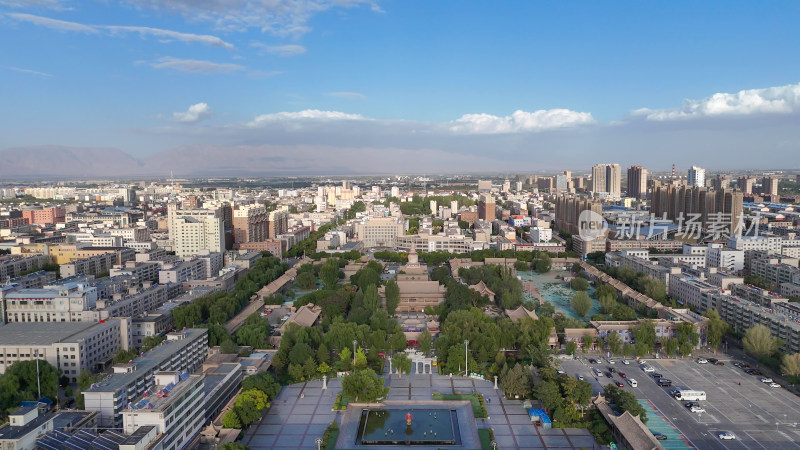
[[375, 87]]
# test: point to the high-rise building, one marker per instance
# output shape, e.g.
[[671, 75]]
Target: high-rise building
[[506, 186], [484, 185], [637, 182], [607, 179], [769, 186], [194, 230], [699, 205], [278, 223], [720, 182], [697, 176], [250, 224], [745, 184], [486, 208], [569, 209]]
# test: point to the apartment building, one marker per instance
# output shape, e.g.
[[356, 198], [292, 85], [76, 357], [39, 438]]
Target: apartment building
[[691, 291], [434, 243], [380, 231], [645, 266], [70, 347], [742, 315], [44, 216], [250, 224], [72, 302], [93, 265], [607, 180], [757, 295], [182, 351], [138, 272], [12, 265], [569, 209], [193, 269], [149, 298], [32, 280], [152, 324], [486, 208], [728, 259], [175, 406], [278, 223], [222, 382]]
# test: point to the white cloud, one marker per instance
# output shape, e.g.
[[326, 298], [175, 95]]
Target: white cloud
[[279, 17], [114, 30], [520, 121], [781, 99], [305, 115], [54, 24], [52, 4], [195, 66], [184, 37], [348, 95], [195, 113], [29, 71], [281, 50]]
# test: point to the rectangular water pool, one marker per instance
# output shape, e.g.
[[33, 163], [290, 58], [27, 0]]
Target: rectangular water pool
[[387, 426]]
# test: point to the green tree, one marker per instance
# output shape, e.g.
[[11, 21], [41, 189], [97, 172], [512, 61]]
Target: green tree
[[549, 393], [623, 313], [645, 333], [579, 284], [150, 342], [572, 348], [324, 369], [231, 420], [716, 328], [402, 364], [607, 303], [543, 264], [425, 339], [758, 341], [364, 385], [790, 365], [229, 347], [588, 341], [255, 396], [123, 356], [581, 303], [306, 281], [372, 300], [670, 346], [361, 359], [613, 342], [624, 401], [235, 445], [264, 382], [329, 273], [516, 382], [392, 296]]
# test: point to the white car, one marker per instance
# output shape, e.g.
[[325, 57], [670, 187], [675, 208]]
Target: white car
[[702, 361], [626, 362], [580, 377], [611, 361], [727, 436], [774, 385], [697, 409], [642, 362], [765, 380], [561, 372], [648, 369]]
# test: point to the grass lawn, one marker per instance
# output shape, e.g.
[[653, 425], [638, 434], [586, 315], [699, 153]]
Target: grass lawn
[[332, 440], [478, 408], [486, 438], [342, 401]]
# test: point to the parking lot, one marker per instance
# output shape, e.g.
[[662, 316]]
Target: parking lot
[[761, 417]]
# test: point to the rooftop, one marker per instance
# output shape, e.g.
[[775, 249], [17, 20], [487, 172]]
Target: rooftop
[[31, 334], [149, 361]]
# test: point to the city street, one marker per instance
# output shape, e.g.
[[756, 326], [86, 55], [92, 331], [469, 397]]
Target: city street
[[761, 417]]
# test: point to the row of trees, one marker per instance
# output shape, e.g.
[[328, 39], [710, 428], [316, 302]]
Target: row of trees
[[19, 384], [257, 393]]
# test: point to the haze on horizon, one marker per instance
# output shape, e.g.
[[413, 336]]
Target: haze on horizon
[[355, 86]]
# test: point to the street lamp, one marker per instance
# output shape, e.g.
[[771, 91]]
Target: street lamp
[[319, 443], [494, 445], [354, 353], [466, 357]]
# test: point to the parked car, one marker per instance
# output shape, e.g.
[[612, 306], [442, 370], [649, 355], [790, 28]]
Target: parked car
[[765, 380], [609, 375], [619, 384], [727, 436], [719, 363], [561, 372], [612, 370], [592, 361], [611, 361], [648, 369], [626, 362], [672, 392], [697, 409], [656, 375], [580, 377], [664, 382], [642, 362], [774, 385], [702, 361], [737, 364], [690, 404], [659, 436], [712, 360]]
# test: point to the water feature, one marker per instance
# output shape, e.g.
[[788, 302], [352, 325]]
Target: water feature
[[398, 426], [556, 292]]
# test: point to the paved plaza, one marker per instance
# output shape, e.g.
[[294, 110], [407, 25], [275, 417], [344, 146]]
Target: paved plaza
[[301, 412]]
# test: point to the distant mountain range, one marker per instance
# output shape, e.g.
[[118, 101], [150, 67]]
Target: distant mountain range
[[90, 162]]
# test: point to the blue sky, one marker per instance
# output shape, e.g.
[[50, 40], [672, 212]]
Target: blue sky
[[613, 78]]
